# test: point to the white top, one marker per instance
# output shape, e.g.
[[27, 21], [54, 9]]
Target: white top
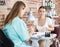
[[48, 22]]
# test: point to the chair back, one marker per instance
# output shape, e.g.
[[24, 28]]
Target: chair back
[[4, 41]]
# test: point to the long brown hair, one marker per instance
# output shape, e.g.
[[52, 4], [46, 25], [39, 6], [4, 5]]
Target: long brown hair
[[14, 12]]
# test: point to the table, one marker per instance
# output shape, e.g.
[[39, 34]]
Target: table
[[36, 38]]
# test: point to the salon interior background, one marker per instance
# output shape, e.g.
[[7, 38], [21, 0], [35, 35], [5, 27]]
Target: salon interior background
[[33, 4]]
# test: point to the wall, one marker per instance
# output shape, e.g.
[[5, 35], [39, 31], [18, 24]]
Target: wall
[[33, 4], [57, 3]]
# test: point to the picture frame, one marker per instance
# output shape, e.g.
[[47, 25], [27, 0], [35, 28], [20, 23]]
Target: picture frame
[[2, 2]]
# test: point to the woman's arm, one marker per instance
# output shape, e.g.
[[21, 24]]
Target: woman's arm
[[50, 27], [20, 28], [50, 24]]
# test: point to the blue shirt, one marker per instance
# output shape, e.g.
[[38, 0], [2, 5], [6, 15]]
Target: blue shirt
[[17, 32]]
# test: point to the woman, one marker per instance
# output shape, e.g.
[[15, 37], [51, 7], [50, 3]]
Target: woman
[[43, 23], [15, 28]]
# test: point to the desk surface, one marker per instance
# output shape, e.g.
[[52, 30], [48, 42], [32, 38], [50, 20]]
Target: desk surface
[[43, 37]]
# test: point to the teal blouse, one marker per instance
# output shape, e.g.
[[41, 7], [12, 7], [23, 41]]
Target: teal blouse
[[17, 32]]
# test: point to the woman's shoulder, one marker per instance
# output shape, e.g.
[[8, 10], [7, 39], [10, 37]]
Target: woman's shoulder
[[48, 19], [17, 19], [6, 26]]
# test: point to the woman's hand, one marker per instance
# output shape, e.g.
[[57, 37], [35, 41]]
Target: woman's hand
[[31, 29]]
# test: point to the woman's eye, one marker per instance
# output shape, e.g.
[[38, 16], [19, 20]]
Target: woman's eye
[[43, 11], [39, 11]]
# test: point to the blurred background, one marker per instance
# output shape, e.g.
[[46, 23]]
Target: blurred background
[[52, 7]]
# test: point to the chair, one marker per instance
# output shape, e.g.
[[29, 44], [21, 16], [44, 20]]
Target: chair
[[56, 41], [4, 41]]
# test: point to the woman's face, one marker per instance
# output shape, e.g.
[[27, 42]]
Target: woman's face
[[41, 12], [22, 10]]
